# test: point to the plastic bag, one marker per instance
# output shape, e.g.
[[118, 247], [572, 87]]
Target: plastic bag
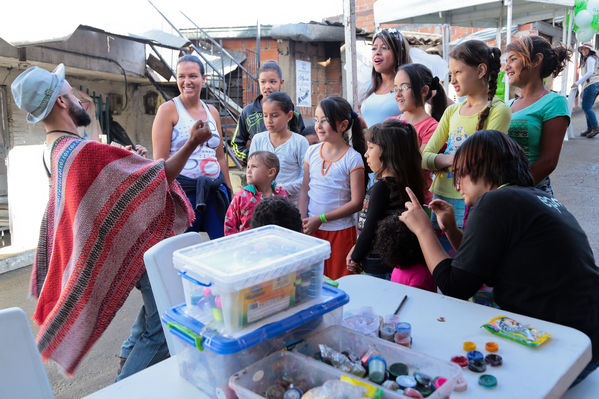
[[341, 361], [364, 321], [511, 329], [336, 389]]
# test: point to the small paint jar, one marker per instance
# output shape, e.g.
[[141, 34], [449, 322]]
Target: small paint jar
[[403, 334], [387, 331], [377, 369]]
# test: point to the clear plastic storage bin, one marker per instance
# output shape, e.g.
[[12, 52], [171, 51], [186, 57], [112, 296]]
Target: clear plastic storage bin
[[343, 339], [209, 359], [283, 368], [235, 281]]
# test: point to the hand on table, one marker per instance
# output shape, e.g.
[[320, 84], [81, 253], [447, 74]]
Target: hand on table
[[311, 224], [414, 216]]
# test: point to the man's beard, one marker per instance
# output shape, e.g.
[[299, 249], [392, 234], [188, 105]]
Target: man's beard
[[79, 115]]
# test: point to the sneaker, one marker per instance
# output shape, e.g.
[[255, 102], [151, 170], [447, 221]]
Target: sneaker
[[594, 131], [584, 134]]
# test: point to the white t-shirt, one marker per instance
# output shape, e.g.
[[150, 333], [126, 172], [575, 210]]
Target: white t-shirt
[[291, 157], [330, 188]]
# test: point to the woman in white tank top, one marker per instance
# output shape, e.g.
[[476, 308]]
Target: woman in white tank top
[[207, 166]]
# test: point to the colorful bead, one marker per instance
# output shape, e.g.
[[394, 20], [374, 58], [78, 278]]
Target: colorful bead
[[461, 361], [491, 347], [461, 385], [397, 369], [478, 366], [469, 346], [406, 381], [474, 355], [493, 360], [487, 381]]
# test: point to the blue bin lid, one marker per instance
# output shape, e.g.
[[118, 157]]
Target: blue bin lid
[[193, 332]]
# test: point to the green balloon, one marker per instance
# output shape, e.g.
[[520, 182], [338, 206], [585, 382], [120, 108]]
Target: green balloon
[[580, 5], [595, 22], [574, 26]]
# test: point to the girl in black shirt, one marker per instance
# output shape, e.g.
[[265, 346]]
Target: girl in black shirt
[[518, 240], [393, 156]]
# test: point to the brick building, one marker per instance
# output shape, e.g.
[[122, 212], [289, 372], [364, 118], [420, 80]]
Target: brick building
[[285, 45]]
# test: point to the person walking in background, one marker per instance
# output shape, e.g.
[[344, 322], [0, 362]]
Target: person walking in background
[[589, 68], [539, 117]]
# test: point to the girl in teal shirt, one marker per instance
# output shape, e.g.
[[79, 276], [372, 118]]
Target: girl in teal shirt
[[539, 117]]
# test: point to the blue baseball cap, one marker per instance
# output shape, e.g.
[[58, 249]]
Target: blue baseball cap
[[36, 90]]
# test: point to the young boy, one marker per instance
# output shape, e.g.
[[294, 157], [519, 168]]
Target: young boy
[[262, 169], [270, 79]]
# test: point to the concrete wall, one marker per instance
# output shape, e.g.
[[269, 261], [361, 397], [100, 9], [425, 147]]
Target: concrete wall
[[323, 56]]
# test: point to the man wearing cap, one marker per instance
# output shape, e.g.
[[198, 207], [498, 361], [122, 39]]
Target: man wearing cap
[[589, 68], [107, 206]]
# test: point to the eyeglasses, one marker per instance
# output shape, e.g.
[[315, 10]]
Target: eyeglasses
[[320, 122], [402, 88]]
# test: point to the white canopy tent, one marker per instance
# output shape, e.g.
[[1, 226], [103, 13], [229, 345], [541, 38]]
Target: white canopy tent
[[472, 13], [476, 13], [468, 13]]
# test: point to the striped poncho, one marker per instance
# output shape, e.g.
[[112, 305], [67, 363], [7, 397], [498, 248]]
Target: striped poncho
[[107, 207]]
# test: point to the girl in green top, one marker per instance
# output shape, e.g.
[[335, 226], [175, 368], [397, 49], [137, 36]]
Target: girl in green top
[[539, 117], [473, 67]]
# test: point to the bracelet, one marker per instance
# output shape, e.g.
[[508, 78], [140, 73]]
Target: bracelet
[[323, 219]]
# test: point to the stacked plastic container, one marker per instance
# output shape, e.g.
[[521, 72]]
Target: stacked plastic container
[[247, 295], [301, 369]]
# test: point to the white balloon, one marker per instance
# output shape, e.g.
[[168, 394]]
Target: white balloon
[[585, 34], [583, 19], [593, 6]]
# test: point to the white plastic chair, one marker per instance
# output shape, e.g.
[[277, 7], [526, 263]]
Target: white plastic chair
[[166, 283], [23, 374]]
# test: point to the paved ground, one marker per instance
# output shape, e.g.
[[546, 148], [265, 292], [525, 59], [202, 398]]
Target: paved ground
[[576, 184]]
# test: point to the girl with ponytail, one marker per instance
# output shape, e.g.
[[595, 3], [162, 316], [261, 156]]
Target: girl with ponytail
[[473, 68], [539, 117], [334, 181], [414, 85]]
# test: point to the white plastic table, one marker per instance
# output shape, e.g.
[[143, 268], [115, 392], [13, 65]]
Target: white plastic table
[[543, 372]]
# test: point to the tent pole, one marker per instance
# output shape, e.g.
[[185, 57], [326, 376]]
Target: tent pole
[[445, 41], [349, 19], [508, 40], [565, 76]]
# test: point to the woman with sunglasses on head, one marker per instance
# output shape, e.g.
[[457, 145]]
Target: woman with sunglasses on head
[[205, 177], [518, 239], [390, 50]]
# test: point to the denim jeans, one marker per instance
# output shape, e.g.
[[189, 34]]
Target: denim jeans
[[146, 345], [585, 372], [589, 94]]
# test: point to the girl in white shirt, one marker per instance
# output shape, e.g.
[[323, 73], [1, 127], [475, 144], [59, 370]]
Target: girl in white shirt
[[289, 147], [333, 186]]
